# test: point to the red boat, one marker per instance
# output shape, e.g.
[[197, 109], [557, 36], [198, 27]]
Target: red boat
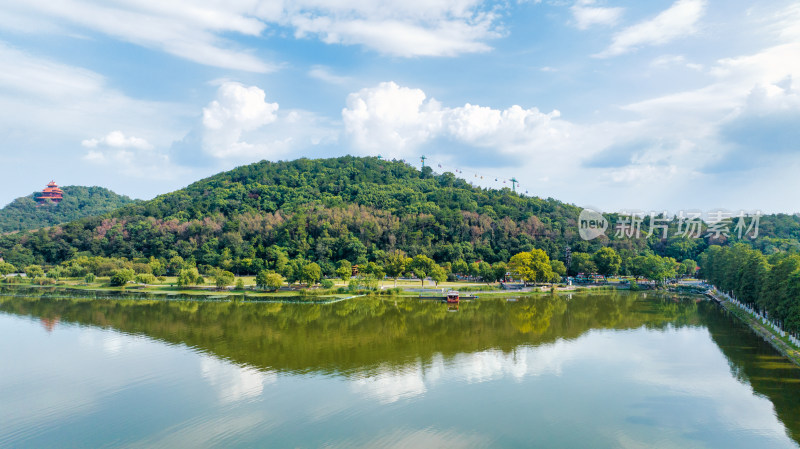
[[452, 297]]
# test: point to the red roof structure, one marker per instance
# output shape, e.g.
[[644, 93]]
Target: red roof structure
[[52, 193]]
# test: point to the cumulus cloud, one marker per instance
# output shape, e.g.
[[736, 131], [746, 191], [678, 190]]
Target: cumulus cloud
[[586, 15], [678, 21], [398, 120], [237, 109], [241, 125], [391, 117]]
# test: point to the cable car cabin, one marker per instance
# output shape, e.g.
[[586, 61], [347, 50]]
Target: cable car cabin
[[452, 297]]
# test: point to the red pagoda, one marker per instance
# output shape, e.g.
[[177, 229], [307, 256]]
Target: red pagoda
[[52, 193]]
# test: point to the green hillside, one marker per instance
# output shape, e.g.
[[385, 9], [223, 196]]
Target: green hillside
[[265, 214], [25, 213]]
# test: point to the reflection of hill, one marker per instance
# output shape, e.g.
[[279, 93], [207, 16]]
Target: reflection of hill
[[360, 334], [754, 361]]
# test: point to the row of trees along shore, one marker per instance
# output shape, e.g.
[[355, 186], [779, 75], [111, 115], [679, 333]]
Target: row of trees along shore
[[528, 266], [769, 284]]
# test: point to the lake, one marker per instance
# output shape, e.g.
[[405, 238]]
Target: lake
[[600, 370]]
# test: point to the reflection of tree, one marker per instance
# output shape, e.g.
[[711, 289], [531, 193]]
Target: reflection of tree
[[534, 316], [755, 362], [364, 333]]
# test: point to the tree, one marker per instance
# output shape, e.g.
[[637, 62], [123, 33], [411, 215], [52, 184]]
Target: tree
[[54, 273], [460, 267], [582, 263], [395, 264], [6, 268], [269, 280], [239, 284], [156, 267], [89, 278], [223, 278], [311, 273], [500, 269], [189, 276], [636, 266], [558, 267], [608, 261], [657, 268], [374, 269], [175, 265], [688, 267], [421, 265], [485, 272], [345, 270], [145, 278], [34, 271], [122, 276], [532, 266], [438, 274]]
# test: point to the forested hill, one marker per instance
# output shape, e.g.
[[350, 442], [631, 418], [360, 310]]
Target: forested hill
[[323, 210], [357, 209], [25, 213]]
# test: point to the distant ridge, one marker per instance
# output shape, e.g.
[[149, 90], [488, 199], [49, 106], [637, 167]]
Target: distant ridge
[[26, 213]]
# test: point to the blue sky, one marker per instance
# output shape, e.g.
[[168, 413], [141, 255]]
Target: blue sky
[[658, 105]]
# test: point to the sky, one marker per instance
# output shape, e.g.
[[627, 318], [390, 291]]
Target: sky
[[617, 105]]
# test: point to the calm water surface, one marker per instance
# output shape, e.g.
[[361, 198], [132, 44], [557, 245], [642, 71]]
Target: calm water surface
[[595, 370]]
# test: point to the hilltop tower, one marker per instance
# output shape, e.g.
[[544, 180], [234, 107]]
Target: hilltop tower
[[52, 193]]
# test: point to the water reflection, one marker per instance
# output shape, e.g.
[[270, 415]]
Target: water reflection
[[363, 334], [613, 368]]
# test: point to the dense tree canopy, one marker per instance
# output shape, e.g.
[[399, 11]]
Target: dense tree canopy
[[769, 284]]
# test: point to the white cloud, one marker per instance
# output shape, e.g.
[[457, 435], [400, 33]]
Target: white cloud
[[188, 29], [322, 73], [586, 15], [678, 21], [237, 109], [405, 38], [668, 61], [133, 156], [197, 30], [390, 117], [62, 103], [241, 125], [398, 120], [116, 139]]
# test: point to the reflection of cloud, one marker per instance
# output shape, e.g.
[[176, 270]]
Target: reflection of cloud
[[208, 432], [431, 437], [390, 386], [233, 382], [695, 377]]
